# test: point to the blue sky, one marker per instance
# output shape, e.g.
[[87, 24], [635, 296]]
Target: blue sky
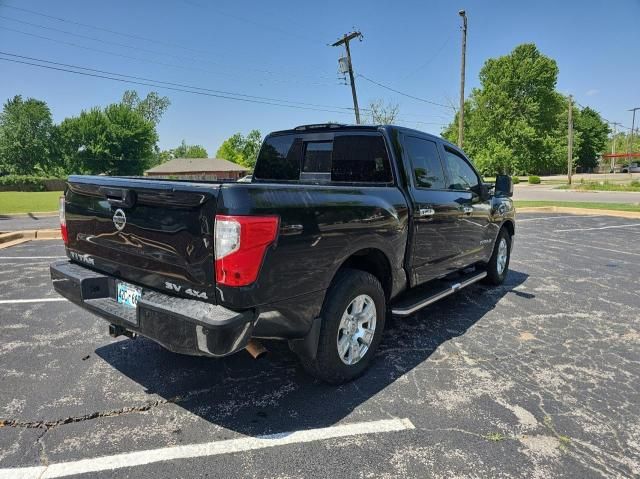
[[279, 50]]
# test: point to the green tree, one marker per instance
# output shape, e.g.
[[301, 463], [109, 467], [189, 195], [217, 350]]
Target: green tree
[[152, 107], [240, 149], [27, 137], [116, 140], [190, 151], [594, 133], [514, 114], [623, 145]]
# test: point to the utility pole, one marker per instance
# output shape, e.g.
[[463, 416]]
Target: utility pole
[[613, 146], [633, 125], [570, 139], [463, 14], [346, 39]]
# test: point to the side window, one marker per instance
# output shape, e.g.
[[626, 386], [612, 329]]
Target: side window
[[461, 175], [360, 158], [427, 169]]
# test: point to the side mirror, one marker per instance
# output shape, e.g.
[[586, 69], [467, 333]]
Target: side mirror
[[504, 185], [484, 191]]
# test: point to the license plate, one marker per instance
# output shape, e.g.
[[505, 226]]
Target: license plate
[[128, 295]]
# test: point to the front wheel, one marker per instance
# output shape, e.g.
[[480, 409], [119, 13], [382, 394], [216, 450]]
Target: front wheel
[[353, 317], [498, 265]]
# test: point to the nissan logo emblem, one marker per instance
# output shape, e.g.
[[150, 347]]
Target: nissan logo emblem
[[119, 219]]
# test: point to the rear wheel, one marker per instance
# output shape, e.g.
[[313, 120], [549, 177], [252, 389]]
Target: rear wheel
[[498, 265], [353, 317]]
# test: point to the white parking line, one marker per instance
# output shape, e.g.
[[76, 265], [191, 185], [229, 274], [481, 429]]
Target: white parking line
[[553, 240], [635, 225], [38, 300], [557, 217], [32, 257], [139, 458]]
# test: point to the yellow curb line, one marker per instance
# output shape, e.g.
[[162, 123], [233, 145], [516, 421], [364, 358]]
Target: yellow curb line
[[578, 211], [16, 237], [35, 213]]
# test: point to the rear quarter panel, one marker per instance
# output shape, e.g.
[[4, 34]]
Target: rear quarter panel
[[320, 227]]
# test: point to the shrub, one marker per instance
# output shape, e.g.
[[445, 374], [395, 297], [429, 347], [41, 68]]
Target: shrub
[[31, 183], [534, 180], [515, 180]]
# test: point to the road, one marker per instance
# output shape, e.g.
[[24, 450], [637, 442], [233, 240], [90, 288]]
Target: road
[[535, 378], [521, 192], [548, 193], [26, 222]]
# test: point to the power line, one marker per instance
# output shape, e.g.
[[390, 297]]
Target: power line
[[181, 85], [148, 39], [403, 93], [102, 74], [159, 42], [607, 121], [146, 60], [133, 47], [253, 22], [155, 85], [95, 27], [431, 58]]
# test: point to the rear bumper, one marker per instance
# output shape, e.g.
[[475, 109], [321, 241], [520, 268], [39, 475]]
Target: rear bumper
[[181, 325]]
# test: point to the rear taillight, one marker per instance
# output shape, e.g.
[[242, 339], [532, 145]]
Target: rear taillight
[[240, 244], [63, 222]]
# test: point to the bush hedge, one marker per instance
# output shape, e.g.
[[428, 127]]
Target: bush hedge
[[31, 183], [515, 180], [534, 180]]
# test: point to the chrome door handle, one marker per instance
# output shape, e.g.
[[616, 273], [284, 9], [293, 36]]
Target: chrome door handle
[[425, 212]]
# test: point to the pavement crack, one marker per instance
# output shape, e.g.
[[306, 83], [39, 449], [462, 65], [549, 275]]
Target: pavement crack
[[48, 425]]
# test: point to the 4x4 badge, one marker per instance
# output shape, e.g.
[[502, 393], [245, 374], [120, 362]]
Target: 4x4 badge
[[119, 219]]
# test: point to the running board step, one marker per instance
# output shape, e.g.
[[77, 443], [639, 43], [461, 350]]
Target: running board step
[[415, 301]]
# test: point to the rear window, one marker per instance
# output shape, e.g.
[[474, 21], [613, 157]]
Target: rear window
[[279, 158], [316, 164], [333, 158]]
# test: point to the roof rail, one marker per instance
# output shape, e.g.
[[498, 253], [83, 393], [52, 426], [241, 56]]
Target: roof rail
[[319, 126]]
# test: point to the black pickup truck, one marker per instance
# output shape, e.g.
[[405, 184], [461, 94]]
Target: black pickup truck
[[338, 227]]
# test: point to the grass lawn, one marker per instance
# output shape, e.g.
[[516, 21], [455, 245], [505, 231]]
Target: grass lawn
[[580, 204], [602, 186], [28, 202]]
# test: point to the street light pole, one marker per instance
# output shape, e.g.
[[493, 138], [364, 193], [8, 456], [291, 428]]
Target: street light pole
[[570, 141], [633, 125], [463, 14], [613, 146]]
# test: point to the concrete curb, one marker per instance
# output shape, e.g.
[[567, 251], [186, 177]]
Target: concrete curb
[[17, 237], [578, 211]]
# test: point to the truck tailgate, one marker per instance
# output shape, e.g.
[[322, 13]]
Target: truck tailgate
[[152, 233]]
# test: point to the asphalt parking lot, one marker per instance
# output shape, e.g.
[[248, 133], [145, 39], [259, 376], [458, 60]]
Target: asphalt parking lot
[[536, 378]]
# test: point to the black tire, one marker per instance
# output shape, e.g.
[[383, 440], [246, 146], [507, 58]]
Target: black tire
[[494, 275], [327, 365]]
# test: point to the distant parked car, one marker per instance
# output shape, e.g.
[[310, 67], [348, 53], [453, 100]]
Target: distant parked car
[[245, 179], [632, 168]]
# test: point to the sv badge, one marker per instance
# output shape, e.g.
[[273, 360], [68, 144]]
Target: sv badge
[[191, 292]]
